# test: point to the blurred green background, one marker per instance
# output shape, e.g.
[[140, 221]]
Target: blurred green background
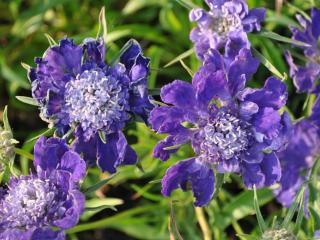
[[162, 27]]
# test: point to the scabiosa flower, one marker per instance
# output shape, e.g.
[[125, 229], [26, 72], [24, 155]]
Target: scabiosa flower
[[305, 77], [230, 127], [32, 205], [226, 19], [76, 88], [297, 160]]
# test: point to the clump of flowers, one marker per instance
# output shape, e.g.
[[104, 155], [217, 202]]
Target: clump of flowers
[[231, 128], [75, 88], [305, 77], [224, 21], [32, 205]]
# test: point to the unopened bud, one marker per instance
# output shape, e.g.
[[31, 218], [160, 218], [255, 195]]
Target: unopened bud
[[278, 234], [6, 144]]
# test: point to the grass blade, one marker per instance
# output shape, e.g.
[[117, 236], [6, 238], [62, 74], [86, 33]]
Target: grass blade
[[277, 37], [261, 222], [180, 57], [293, 207], [98, 185], [268, 64]]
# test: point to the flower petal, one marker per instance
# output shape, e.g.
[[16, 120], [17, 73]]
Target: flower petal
[[179, 93], [115, 152], [201, 178]]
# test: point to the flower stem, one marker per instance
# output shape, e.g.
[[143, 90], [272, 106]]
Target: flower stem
[[203, 224]]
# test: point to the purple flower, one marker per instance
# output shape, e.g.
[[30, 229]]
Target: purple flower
[[230, 127], [33, 204], [226, 20], [76, 88], [305, 77], [297, 160]]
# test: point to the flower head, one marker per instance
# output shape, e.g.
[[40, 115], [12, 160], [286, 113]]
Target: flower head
[[226, 19], [232, 128], [76, 88], [33, 204], [305, 77]]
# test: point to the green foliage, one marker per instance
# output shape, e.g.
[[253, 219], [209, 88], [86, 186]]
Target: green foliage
[[162, 27]]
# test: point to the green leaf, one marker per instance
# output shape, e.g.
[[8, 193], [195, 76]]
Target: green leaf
[[300, 216], [174, 147], [180, 57], [187, 4], [100, 208], [103, 223], [256, 205], [5, 119], [103, 29], [268, 64], [102, 136], [280, 38], [28, 100], [218, 183], [24, 153], [293, 207], [305, 15], [189, 71], [246, 237], [98, 185], [25, 66], [316, 217], [51, 41], [241, 206], [133, 6], [47, 132]]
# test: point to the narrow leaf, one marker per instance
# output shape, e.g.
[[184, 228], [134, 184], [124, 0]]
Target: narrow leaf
[[25, 66], [100, 208], [98, 185], [24, 153], [174, 147], [47, 132], [293, 207], [246, 237], [103, 29], [190, 72], [102, 136], [155, 181], [5, 119], [51, 41], [268, 64], [261, 222], [300, 216], [180, 57], [280, 38], [187, 4], [305, 15], [28, 100], [218, 184]]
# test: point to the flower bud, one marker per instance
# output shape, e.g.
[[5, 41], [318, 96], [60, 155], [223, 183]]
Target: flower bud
[[278, 234], [6, 144]]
